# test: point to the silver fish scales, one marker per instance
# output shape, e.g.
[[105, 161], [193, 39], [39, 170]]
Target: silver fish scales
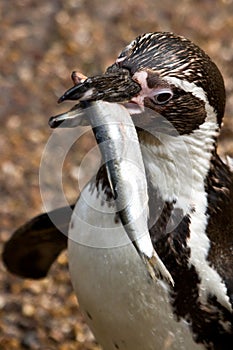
[[117, 138]]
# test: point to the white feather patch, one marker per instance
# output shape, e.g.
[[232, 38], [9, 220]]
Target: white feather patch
[[178, 168]]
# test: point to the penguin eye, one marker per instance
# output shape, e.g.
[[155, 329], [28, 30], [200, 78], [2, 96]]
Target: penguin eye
[[162, 96]]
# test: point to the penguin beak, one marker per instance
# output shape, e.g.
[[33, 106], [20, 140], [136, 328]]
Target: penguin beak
[[117, 86]]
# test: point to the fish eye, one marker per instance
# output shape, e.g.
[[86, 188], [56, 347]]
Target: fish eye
[[162, 96]]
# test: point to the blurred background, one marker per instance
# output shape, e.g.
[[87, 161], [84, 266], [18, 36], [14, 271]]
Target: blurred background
[[41, 43]]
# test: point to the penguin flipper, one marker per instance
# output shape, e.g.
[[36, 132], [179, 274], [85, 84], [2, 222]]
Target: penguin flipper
[[34, 246]]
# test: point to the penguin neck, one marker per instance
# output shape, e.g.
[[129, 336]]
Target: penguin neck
[[177, 166]]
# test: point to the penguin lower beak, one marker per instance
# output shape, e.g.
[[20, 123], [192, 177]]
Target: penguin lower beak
[[76, 116]]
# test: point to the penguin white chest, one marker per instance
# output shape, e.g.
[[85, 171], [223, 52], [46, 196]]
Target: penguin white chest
[[123, 306]]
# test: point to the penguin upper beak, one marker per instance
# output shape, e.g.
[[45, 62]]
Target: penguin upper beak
[[112, 86], [117, 86]]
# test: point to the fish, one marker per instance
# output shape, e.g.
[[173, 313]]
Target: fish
[[116, 136]]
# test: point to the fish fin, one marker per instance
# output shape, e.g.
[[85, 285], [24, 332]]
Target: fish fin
[[157, 269]]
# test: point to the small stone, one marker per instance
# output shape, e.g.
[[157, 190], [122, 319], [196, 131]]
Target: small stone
[[28, 310]]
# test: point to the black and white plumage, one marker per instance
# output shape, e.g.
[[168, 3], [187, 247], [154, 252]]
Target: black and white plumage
[[193, 232]]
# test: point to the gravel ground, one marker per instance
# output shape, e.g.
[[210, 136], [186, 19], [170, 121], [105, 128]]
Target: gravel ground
[[42, 42]]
